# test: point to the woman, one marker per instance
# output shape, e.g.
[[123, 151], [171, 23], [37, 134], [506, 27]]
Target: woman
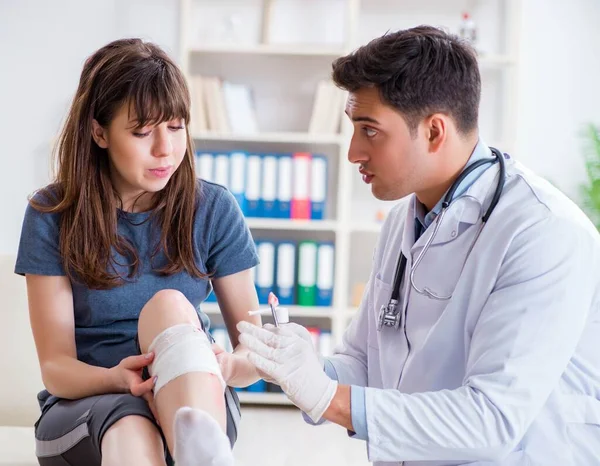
[[119, 252]]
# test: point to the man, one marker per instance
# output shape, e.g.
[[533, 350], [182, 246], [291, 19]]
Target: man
[[492, 355]]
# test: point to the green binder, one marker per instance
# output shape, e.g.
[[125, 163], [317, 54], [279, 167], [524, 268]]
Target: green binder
[[307, 273]]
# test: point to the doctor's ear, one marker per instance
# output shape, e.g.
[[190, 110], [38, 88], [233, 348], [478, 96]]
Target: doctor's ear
[[99, 135], [436, 127]]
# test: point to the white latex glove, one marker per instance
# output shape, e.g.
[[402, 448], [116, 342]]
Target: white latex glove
[[298, 330], [288, 358]]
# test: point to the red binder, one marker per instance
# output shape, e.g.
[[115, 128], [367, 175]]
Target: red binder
[[300, 207]]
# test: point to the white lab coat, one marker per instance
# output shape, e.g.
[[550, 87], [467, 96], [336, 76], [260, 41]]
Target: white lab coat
[[508, 371]]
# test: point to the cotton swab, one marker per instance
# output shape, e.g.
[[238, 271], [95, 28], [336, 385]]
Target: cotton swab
[[283, 315]]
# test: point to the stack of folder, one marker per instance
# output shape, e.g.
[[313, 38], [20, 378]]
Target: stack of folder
[[292, 186], [298, 273]]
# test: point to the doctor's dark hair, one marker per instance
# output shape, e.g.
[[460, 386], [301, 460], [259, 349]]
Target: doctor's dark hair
[[419, 72], [143, 77]]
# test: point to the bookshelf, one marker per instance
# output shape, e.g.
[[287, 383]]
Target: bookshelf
[[283, 73]]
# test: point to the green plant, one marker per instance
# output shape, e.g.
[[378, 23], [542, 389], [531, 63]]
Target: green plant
[[591, 190]]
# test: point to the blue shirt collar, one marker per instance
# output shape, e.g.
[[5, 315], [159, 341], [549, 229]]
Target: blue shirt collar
[[424, 218]]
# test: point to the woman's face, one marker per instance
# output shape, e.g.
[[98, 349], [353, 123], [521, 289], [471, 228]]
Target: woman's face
[[141, 159]]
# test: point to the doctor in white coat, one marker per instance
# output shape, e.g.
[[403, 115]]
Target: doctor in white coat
[[492, 354]]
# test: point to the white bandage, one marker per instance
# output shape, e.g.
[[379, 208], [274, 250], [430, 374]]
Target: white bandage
[[179, 350]]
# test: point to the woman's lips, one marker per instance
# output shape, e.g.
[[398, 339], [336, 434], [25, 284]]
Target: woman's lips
[[161, 172]]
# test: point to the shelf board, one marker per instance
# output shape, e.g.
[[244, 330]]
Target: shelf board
[[270, 49], [495, 60], [313, 51], [310, 311], [367, 227], [274, 137], [291, 225], [264, 398], [295, 311]]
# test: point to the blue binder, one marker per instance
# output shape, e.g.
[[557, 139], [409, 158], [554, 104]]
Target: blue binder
[[258, 387], [269, 186], [237, 178], [318, 188], [325, 274], [205, 165], [285, 180], [253, 179], [265, 270], [222, 169], [285, 272]]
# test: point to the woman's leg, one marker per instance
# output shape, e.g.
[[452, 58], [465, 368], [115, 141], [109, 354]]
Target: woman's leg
[[133, 440], [111, 429], [201, 390]]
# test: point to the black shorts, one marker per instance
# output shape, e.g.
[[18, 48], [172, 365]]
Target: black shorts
[[70, 432]]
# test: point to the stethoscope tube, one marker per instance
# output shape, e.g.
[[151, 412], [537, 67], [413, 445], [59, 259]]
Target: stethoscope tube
[[389, 315]]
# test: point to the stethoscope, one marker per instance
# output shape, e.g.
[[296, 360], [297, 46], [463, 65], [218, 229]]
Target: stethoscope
[[390, 315]]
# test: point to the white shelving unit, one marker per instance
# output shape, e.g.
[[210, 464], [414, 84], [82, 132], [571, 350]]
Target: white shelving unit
[[283, 78]]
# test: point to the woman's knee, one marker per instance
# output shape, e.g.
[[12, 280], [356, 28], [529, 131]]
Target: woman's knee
[[165, 309]]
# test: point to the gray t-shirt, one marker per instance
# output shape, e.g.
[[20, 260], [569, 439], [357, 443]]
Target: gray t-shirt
[[106, 320]]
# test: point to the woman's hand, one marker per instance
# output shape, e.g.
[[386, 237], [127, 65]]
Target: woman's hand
[[128, 378], [237, 371]]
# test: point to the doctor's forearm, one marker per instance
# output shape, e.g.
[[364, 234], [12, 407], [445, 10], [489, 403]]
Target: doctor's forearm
[[339, 410]]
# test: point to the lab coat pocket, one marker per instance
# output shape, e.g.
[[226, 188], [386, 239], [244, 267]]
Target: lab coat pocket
[[382, 292], [381, 295]]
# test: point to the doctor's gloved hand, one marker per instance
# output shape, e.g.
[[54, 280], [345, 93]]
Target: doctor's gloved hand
[[287, 357], [298, 330]]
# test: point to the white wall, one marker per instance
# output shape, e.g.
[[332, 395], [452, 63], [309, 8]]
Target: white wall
[[43, 46], [559, 90]]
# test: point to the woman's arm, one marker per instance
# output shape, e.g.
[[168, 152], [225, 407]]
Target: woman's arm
[[237, 296], [52, 322]]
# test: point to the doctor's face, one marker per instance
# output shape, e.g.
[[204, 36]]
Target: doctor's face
[[389, 158]]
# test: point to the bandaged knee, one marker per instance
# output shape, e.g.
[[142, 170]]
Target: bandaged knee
[[179, 350]]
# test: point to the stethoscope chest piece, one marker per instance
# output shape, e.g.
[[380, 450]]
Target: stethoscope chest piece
[[389, 316]]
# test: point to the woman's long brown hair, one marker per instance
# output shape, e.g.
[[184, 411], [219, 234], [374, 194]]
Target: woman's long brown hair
[[124, 72]]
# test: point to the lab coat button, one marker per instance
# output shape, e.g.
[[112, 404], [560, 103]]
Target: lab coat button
[[453, 234]]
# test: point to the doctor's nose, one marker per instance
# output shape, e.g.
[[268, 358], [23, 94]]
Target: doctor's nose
[[356, 155]]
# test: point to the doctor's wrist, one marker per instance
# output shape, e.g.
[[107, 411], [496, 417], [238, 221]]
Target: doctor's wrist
[[339, 410]]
